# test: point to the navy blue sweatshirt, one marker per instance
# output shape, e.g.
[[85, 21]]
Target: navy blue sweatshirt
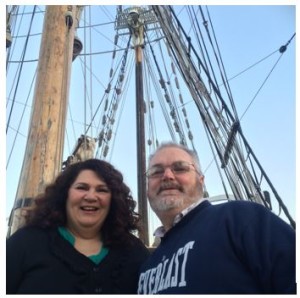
[[232, 248]]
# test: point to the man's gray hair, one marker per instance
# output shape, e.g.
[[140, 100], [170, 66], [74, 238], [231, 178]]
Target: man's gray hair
[[190, 152]]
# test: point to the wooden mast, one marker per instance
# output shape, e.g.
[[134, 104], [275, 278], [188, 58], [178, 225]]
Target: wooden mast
[[44, 149], [136, 19], [136, 26], [141, 155]]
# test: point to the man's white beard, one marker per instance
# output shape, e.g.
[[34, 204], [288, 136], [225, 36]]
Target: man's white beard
[[167, 203]]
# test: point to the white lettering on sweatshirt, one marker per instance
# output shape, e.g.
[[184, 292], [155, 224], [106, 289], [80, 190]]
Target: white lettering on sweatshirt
[[170, 272]]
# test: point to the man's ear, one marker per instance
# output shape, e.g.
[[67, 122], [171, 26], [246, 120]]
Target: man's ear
[[201, 178]]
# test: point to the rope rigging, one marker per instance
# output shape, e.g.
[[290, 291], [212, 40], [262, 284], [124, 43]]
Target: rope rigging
[[20, 71], [226, 146], [110, 109], [281, 50], [219, 60], [169, 100]]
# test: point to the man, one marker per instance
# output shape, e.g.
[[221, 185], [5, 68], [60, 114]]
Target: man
[[232, 248]]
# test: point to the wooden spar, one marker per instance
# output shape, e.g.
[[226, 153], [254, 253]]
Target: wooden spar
[[44, 149], [141, 156], [134, 19]]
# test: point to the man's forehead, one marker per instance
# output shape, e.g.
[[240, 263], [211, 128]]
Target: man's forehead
[[169, 155]]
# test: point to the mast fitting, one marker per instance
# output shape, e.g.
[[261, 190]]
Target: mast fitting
[[69, 17]]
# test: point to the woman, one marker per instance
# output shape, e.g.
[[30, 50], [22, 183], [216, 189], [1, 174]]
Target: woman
[[78, 239]]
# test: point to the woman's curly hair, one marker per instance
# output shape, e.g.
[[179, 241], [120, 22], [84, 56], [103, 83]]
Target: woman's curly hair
[[121, 221]]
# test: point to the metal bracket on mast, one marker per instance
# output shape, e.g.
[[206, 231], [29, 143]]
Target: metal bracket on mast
[[146, 16], [77, 45], [135, 18]]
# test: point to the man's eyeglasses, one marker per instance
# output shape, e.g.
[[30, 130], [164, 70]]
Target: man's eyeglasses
[[177, 168]]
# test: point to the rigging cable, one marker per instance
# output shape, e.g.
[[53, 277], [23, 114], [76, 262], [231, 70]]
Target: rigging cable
[[222, 68], [161, 98], [10, 23], [84, 78], [20, 122], [159, 11], [166, 93], [124, 95], [207, 62], [197, 31], [215, 110], [90, 76], [11, 52], [196, 90], [150, 77], [281, 50], [253, 65], [18, 80], [172, 102], [114, 100], [97, 109]]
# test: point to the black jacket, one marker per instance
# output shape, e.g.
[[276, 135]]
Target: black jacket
[[42, 262]]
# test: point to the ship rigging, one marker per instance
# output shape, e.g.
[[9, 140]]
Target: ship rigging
[[174, 58]]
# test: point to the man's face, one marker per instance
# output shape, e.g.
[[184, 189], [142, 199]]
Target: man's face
[[173, 191]]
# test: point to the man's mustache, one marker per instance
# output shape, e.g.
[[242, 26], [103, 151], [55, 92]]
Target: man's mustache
[[169, 185]]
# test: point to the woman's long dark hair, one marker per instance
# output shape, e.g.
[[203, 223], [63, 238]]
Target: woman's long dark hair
[[50, 210]]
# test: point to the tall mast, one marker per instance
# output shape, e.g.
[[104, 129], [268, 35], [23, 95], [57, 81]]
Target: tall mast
[[135, 19], [44, 149], [136, 26]]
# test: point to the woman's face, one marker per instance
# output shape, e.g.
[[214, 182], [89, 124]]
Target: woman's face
[[88, 202]]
